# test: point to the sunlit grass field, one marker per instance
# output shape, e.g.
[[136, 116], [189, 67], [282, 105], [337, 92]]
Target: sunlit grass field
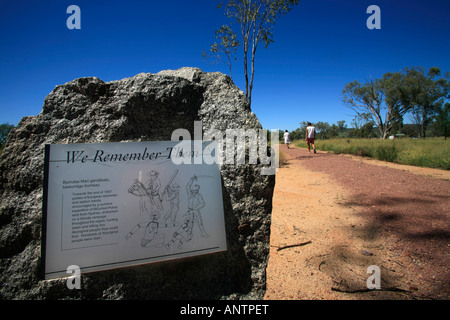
[[429, 152]]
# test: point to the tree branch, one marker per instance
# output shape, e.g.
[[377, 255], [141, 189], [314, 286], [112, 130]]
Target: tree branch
[[294, 245]]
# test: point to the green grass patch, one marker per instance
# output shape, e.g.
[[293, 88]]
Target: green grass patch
[[430, 152]]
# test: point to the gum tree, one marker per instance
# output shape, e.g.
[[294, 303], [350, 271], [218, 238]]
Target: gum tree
[[227, 46], [381, 101], [443, 120], [426, 95], [385, 101], [368, 99], [256, 19]]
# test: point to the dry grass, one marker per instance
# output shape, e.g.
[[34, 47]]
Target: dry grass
[[430, 152]]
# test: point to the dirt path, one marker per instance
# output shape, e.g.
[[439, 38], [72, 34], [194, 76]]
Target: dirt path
[[343, 215]]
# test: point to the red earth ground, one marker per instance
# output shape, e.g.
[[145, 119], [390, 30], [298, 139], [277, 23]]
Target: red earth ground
[[335, 216]]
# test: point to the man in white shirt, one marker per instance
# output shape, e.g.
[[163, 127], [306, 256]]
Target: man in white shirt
[[310, 137], [287, 138]]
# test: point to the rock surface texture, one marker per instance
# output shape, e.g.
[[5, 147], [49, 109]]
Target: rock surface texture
[[146, 107]]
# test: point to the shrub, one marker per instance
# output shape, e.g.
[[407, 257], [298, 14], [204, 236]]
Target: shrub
[[386, 153]]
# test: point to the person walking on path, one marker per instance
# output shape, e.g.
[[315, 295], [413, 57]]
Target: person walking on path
[[310, 137], [287, 138]]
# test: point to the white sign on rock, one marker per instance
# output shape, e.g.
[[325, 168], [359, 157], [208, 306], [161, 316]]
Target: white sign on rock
[[110, 205]]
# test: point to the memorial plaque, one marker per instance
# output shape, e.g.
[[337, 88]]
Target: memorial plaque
[[110, 205]]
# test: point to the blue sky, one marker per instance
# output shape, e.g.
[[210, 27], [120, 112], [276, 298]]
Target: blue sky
[[319, 47]]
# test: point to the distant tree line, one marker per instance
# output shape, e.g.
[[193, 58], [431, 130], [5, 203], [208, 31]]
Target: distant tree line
[[363, 128], [323, 130]]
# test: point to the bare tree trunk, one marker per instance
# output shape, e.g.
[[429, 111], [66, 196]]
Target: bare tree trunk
[[245, 28], [246, 72], [229, 66], [423, 126], [252, 75]]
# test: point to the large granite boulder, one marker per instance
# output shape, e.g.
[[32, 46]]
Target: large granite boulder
[[145, 107]]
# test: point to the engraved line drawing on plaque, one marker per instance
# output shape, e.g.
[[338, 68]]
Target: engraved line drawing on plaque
[[152, 204]]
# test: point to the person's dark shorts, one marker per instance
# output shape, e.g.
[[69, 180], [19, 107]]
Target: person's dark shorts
[[310, 140]]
